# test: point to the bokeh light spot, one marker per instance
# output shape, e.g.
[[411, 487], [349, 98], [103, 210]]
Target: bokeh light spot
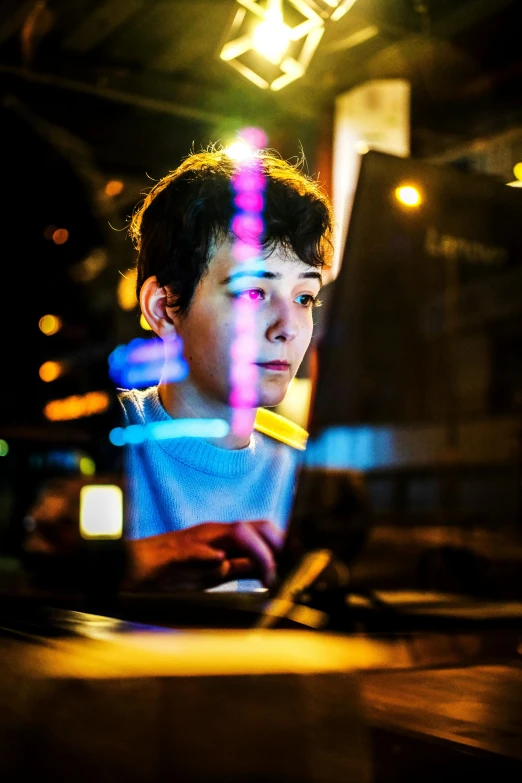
[[60, 236], [408, 195], [87, 466], [4, 448], [113, 188], [126, 292], [144, 324], [50, 324], [49, 371]]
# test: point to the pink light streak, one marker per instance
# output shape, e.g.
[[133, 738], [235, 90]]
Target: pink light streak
[[247, 226]]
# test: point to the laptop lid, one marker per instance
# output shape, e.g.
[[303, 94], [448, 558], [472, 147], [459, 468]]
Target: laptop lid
[[419, 385]]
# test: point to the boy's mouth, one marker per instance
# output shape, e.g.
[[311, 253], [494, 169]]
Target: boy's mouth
[[276, 365]]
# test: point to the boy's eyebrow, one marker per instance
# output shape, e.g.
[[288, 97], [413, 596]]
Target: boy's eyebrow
[[266, 275]]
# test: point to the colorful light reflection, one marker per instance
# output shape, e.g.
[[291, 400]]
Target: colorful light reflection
[[247, 227], [144, 361], [165, 430]]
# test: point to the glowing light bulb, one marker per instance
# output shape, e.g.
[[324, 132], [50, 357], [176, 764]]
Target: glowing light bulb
[[408, 195], [272, 37]]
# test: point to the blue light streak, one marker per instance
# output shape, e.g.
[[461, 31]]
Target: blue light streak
[[356, 448], [165, 430], [144, 361]]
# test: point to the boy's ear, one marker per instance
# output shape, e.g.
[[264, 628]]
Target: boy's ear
[[153, 303]]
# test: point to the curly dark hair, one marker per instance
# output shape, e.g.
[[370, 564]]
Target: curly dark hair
[[189, 212]]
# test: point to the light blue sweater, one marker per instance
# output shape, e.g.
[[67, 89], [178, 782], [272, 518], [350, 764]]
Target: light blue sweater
[[174, 484]]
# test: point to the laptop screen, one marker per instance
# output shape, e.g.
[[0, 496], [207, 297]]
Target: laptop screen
[[419, 382]]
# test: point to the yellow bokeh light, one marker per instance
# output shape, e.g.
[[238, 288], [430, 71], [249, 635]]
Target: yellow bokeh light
[[408, 195], [101, 511], [49, 371], [50, 324], [126, 293], [77, 406], [113, 188], [60, 236], [517, 170], [87, 466], [144, 324], [90, 267]]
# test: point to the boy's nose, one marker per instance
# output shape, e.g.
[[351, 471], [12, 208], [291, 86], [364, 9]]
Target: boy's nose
[[283, 325]]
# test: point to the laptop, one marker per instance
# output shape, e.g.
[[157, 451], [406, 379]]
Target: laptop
[[418, 397]]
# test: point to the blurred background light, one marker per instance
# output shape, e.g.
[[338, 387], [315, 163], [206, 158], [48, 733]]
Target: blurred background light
[[126, 293], [101, 511], [113, 188], [144, 324], [517, 170], [50, 371], [90, 267], [77, 406], [60, 236], [408, 195], [87, 466], [50, 324], [4, 448]]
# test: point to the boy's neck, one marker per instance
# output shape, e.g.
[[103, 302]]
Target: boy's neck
[[182, 401]]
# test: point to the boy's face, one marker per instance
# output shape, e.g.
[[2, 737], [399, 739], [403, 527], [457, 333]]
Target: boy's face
[[284, 288]]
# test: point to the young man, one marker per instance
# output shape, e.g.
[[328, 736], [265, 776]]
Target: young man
[[202, 510]]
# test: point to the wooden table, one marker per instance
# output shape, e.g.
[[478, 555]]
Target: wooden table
[[433, 725]]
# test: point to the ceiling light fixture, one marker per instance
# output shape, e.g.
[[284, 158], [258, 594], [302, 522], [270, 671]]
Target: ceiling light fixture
[[271, 42]]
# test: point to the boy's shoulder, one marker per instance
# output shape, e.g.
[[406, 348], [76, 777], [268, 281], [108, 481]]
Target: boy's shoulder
[[133, 403], [281, 429]]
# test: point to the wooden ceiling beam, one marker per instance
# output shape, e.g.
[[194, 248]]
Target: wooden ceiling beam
[[101, 24]]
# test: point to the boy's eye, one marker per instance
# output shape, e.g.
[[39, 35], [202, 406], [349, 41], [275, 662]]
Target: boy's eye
[[253, 294], [307, 300]]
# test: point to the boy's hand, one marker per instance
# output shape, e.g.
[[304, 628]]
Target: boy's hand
[[206, 555]]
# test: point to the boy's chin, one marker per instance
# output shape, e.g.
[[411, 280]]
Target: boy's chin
[[270, 398]]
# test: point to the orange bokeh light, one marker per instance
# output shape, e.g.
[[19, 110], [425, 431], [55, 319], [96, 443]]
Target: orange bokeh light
[[114, 187], [77, 406], [60, 236], [49, 371], [50, 324]]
